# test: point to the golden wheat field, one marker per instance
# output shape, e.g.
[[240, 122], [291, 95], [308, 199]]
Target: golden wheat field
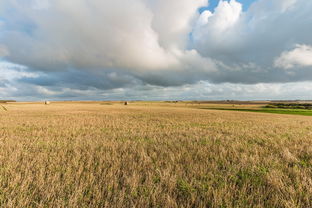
[[152, 155]]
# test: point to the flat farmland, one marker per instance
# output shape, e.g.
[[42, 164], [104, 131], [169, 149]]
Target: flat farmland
[[151, 154]]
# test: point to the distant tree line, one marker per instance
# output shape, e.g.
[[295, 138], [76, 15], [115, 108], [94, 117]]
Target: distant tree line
[[306, 106]]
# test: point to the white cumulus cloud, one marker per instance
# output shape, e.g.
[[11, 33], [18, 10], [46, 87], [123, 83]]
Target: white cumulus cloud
[[301, 56]]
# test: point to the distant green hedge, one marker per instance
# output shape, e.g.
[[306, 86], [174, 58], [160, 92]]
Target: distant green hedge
[[306, 106]]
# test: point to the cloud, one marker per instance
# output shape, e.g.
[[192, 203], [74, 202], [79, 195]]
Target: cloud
[[225, 16], [134, 35], [78, 34], [237, 38], [9, 71], [3, 51], [301, 56], [82, 45], [173, 21]]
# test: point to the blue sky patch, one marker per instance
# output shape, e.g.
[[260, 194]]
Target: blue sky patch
[[214, 3]]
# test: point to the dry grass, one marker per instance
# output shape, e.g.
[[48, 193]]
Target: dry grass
[[92, 155]]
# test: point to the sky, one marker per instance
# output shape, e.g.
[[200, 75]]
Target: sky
[[214, 3], [155, 50]]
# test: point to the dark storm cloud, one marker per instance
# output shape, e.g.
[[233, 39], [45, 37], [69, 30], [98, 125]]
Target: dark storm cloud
[[82, 79]]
